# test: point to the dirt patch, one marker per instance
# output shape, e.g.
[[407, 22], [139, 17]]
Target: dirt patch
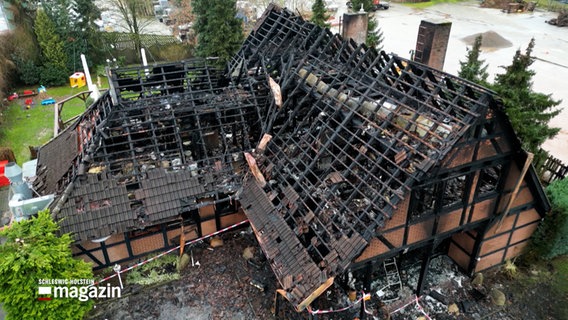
[[490, 41]]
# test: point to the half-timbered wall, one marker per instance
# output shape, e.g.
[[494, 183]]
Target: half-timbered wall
[[121, 248], [464, 201]]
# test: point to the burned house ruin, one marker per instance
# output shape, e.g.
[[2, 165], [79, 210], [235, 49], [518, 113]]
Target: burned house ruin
[[340, 156]]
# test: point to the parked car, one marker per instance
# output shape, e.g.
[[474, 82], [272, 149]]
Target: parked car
[[377, 5]]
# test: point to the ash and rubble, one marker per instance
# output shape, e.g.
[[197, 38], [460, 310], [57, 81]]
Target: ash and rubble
[[450, 294], [223, 285], [227, 285]]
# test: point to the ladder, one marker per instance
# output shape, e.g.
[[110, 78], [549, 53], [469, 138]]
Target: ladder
[[394, 284]]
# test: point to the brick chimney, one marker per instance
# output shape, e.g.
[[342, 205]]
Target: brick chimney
[[355, 26], [432, 43]]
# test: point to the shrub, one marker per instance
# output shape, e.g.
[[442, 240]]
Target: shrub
[[158, 270], [28, 71], [6, 64], [53, 75], [34, 251], [551, 238], [172, 52]]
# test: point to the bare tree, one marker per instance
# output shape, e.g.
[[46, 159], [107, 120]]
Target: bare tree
[[183, 19], [134, 13]]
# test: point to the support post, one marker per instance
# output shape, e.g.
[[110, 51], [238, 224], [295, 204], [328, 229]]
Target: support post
[[55, 119], [144, 60], [105, 253], [128, 245], [276, 305], [424, 269], [165, 235], [367, 278]]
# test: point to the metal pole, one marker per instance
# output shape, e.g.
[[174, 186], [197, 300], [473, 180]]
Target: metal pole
[[94, 90], [144, 60]]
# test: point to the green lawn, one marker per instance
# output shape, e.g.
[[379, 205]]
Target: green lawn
[[427, 4], [21, 127]]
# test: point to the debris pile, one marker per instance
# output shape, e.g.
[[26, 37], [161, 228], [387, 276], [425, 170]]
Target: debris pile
[[490, 41], [561, 21], [223, 286]]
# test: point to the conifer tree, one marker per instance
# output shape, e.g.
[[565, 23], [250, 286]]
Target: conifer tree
[[374, 34], [319, 14], [528, 111], [474, 69], [54, 70], [219, 32]]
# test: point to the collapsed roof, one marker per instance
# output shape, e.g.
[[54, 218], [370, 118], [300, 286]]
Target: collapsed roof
[[355, 131], [174, 134], [346, 132]]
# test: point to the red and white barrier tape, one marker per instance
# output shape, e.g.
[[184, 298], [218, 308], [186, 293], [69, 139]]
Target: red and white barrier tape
[[365, 295], [365, 306], [404, 306], [421, 309], [418, 307], [170, 251]]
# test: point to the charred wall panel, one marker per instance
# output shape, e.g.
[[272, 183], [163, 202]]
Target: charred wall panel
[[490, 260], [449, 221], [144, 242], [461, 248], [507, 237]]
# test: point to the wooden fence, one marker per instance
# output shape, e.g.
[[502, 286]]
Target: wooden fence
[[551, 169]]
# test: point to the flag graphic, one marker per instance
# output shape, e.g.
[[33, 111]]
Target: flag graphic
[[44, 290]]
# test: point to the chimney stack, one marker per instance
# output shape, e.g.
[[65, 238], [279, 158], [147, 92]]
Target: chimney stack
[[432, 43], [355, 26]]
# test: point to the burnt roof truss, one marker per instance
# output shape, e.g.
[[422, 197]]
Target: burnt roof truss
[[176, 134], [356, 130]]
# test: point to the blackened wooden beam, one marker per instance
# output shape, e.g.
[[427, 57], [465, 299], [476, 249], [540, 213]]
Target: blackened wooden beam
[[429, 249]]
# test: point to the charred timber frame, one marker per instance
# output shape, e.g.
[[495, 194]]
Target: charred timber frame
[[356, 132], [181, 125]]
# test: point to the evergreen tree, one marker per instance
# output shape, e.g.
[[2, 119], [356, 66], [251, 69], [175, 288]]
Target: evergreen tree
[[7, 66], [528, 111], [473, 69], [74, 22], [84, 36], [219, 32], [367, 5], [374, 34], [551, 238], [54, 70], [33, 251], [319, 14]]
